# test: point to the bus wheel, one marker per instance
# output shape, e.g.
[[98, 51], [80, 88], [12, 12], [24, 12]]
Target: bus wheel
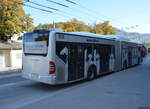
[[91, 74]]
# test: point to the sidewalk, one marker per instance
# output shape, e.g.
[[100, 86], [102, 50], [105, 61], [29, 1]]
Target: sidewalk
[[9, 70]]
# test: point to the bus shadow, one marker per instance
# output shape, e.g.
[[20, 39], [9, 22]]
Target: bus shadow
[[50, 88]]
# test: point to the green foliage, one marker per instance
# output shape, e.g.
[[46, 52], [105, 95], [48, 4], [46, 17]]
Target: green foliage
[[13, 19], [28, 23], [75, 25]]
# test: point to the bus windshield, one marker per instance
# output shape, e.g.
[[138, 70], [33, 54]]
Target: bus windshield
[[36, 43]]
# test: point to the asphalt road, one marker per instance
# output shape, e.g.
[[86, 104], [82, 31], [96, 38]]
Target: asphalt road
[[128, 89]]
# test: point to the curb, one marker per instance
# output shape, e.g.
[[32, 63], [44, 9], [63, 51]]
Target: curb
[[9, 71], [9, 68]]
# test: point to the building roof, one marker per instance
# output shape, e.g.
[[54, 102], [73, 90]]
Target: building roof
[[12, 45]]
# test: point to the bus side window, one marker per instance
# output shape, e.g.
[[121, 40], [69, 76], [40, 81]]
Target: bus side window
[[72, 49], [61, 51], [89, 52]]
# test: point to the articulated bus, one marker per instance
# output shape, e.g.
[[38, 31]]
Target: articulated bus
[[56, 57]]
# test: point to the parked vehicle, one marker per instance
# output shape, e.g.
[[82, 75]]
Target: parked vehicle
[[56, 57]]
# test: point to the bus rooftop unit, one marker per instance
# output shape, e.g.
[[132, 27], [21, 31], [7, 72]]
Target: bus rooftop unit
[[56, 57]]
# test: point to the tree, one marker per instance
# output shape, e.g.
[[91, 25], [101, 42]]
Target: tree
[[97, 28], [13, 19], [48, 26], [104, 28], [75, 25], [69, 26], [28, 23]]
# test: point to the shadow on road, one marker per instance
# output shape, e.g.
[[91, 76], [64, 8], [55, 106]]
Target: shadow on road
[[32, 85], [50, 88]]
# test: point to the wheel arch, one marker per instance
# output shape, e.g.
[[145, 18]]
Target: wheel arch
[[93, 67]]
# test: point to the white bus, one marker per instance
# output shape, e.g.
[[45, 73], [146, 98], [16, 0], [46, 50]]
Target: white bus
[[56, 57]]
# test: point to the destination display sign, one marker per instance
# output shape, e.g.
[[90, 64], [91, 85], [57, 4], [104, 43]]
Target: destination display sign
[[35, 47]]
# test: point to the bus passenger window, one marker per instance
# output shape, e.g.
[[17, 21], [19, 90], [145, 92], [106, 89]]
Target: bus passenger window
[[62, 51]]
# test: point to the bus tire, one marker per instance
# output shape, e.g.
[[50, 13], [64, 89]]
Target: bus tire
[[91, 73]]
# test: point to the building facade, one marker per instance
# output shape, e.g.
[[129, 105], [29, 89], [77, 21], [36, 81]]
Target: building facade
[[10, 54]]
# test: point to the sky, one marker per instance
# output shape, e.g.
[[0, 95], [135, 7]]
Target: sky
[[128, 15]]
